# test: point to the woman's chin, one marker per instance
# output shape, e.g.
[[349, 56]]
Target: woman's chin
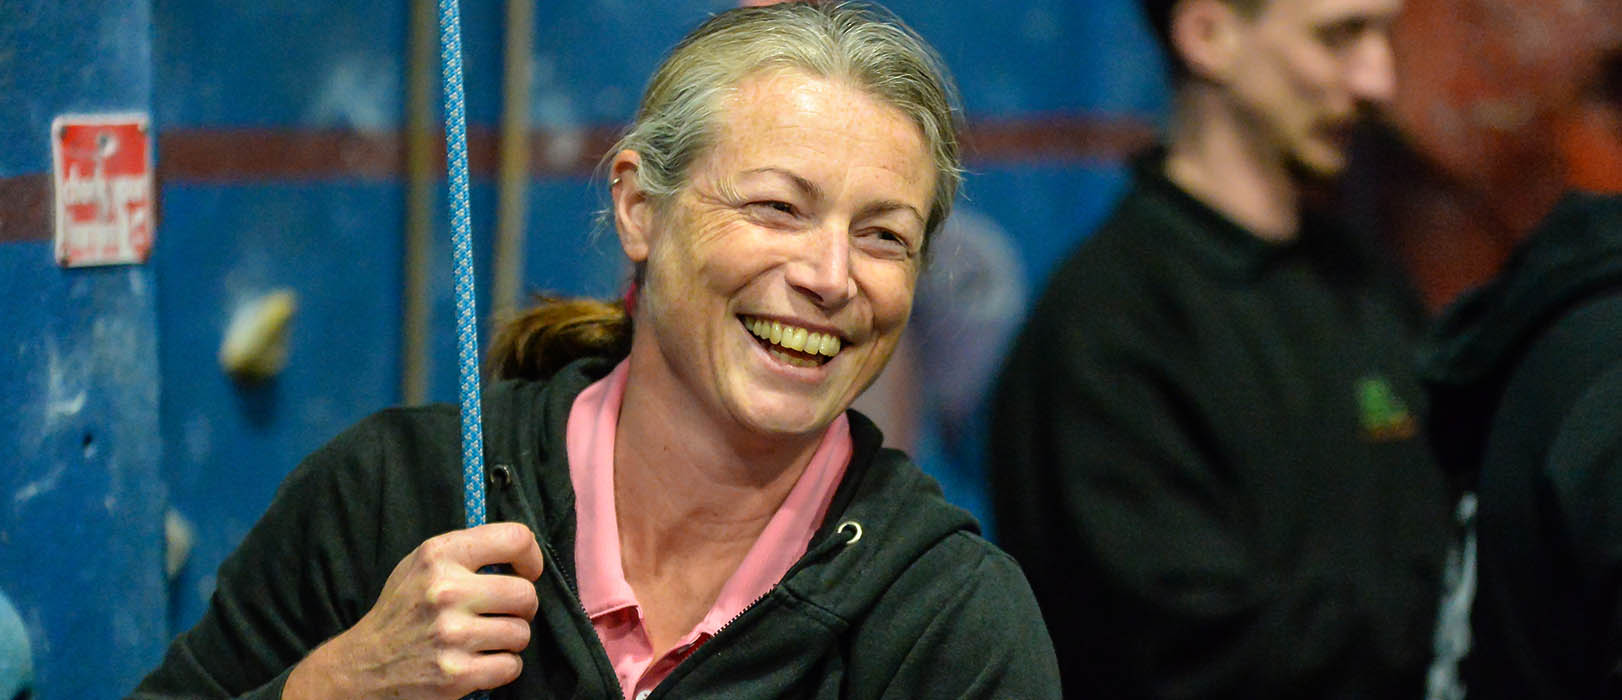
[[787, 421]]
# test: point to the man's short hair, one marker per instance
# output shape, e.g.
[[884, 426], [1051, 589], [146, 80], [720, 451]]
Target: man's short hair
[[1158, 13]]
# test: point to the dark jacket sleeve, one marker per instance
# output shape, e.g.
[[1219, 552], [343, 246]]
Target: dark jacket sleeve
[[959, 623], [308, 570], [1584, 480], [1157, 572]]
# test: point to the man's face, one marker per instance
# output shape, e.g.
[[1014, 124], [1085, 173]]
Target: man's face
[[1306, 70]]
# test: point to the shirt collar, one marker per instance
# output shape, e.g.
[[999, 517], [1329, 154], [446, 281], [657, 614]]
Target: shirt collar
[[590, 446], [1215, 240]]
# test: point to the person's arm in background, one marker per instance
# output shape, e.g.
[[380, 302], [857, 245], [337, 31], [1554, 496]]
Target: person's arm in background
[[1584, 476]]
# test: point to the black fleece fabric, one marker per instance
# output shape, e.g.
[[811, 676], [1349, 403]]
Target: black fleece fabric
[[919, 606], [1206, 455], [1526, 375]]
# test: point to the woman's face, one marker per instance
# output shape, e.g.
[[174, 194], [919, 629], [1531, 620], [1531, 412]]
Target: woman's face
[[780, 278]]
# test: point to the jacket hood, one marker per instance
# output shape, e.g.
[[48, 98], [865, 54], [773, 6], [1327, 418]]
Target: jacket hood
[[1575, 251], [885, 513]]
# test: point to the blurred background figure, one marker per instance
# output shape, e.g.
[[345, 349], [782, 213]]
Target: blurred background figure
[[1205, 446], [1477, 180], [1527, 375]]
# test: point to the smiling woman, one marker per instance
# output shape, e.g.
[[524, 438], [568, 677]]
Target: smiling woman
[[808, 212], [691, 508]]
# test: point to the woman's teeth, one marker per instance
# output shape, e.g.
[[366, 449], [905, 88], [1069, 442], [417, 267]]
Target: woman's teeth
[[793, 338]]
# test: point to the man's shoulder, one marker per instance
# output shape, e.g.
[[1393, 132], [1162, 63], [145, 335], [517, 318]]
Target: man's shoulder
[[1140, 212], [1130, 259], [1145, 225]]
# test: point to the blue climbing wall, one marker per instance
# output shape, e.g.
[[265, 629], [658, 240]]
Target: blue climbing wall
[[81, 501], [114, 410]]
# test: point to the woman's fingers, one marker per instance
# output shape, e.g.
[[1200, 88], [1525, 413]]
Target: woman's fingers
[[440, 629], [494, 544], [480, 633], [503, 633], [500, 594], [451, 563], [482, 671]]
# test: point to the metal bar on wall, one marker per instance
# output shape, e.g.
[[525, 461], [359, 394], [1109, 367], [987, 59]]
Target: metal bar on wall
[[514, 159], [421, 132]]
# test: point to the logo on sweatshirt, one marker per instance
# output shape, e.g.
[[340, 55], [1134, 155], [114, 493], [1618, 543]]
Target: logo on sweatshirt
[[1384, 417]]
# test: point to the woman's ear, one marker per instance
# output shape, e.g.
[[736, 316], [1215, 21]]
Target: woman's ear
[[633, 210], [1206, 34]]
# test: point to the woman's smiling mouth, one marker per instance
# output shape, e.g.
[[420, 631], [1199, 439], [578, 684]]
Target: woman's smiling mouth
[[793, 345]]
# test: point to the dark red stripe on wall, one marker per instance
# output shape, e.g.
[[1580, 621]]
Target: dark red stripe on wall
[[266, 154], [232, 155], [217, 155], [25, 208], [1057, 137]]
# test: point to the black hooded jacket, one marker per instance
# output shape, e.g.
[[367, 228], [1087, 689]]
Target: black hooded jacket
[[1526, 380], [1204, 456], [918, 606]]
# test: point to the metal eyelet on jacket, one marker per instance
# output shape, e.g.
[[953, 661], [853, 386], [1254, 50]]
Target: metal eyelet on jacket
[[501, 476], [854, 527]]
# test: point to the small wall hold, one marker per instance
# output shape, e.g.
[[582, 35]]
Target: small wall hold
[[255, 345], [178, 538], [16, 659]]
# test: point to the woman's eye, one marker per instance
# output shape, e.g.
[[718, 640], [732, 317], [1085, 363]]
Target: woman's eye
[[773, 208], [887, 244]]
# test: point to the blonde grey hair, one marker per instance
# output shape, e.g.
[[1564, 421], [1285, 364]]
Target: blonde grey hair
[[677, 120]]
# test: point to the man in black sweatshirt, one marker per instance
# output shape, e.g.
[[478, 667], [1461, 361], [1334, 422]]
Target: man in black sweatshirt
[[1205, 449]]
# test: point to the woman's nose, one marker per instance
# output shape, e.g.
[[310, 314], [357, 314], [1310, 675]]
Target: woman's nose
[[821, 267]]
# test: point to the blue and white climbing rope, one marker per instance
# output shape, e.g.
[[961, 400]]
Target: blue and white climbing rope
[[467, 321], [467, 327]]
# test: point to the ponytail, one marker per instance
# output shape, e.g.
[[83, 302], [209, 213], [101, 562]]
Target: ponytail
[[539, 341]]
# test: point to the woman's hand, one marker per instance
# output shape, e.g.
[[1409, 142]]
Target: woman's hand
[[440, 629]]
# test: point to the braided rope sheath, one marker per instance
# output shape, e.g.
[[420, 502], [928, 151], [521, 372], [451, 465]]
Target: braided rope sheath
[[467, 331], [467, 327]]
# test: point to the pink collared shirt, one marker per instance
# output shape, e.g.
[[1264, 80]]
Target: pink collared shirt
[[608, 598]]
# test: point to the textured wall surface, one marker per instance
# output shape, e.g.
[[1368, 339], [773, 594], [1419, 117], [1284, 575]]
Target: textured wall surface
[[81, 502]]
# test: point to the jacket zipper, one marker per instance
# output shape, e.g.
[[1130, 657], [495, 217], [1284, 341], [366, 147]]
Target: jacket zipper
[[818, 553], [574, 590]]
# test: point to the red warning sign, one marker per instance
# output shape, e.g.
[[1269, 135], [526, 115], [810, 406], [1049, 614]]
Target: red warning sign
[[104, 195]]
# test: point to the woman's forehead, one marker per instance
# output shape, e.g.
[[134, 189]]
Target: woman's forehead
[[784, 116]]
